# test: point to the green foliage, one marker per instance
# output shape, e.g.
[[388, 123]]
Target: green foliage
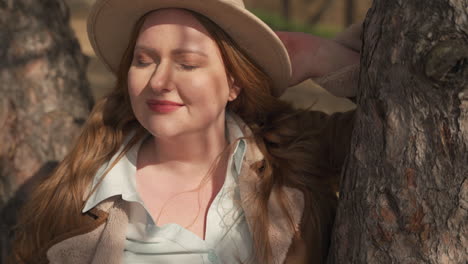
[[277, 22]]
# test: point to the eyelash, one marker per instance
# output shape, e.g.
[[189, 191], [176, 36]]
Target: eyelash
[[188, 67], [142, 63]]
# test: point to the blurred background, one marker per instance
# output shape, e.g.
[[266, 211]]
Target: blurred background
[[323, 18]]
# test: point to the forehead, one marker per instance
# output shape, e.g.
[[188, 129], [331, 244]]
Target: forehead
[[173, 24]]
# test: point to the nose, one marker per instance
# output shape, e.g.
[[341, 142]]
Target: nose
[[160, 81]]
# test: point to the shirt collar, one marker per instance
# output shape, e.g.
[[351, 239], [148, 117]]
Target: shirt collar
[[120, 179], [234, 133]]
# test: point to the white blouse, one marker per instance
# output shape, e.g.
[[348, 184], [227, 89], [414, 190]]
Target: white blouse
[[227, 237]]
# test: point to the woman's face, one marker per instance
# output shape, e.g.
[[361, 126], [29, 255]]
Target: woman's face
[[177, 81]]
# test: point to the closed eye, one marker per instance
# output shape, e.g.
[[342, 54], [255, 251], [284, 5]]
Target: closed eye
[[188, 67], [142, 63]]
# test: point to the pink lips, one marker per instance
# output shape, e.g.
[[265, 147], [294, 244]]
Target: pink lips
[[163, 106]]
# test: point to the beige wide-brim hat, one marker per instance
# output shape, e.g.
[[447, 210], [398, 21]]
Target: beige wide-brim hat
[[111, 22]]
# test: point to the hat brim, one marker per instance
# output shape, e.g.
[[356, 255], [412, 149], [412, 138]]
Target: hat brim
[[111, 22]]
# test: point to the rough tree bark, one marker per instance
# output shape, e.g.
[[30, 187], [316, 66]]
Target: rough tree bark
[[404, 191], [45, 95]]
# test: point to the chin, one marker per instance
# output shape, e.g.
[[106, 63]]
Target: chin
[[161, 126], [169, 127], [165, 131]]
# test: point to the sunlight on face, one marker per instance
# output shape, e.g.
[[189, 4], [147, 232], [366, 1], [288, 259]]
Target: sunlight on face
[[177, 81]]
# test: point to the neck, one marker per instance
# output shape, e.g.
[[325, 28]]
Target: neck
[[194, 152]]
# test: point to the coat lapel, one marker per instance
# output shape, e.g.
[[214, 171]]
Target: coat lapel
[[279, 233], [104, 244], [112, 241], [75, 250]]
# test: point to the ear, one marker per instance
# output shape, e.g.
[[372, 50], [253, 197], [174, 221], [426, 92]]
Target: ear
[[234, 90]]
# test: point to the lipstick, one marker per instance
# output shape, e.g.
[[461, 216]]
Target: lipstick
[[163, 106]]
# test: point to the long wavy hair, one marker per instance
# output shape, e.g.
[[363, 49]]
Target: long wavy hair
[[287, 137]]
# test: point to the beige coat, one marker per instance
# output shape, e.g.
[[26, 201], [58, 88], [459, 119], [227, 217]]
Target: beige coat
[[102, 239]]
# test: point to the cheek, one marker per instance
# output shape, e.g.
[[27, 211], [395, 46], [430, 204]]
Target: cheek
[[210, 89], [135, 87], [136, 82]]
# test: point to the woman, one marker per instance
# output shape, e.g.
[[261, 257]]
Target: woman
[[192, 158]]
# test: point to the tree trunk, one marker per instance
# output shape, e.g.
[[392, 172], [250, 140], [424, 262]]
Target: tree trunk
[[286, 9], [404, 190], [315, 18], [349, 12], [45, 96]]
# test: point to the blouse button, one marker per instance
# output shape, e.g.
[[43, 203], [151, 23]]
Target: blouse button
[[212, 256]]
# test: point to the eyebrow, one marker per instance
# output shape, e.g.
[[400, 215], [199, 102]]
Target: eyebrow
[[175, 52], [184, 51]]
